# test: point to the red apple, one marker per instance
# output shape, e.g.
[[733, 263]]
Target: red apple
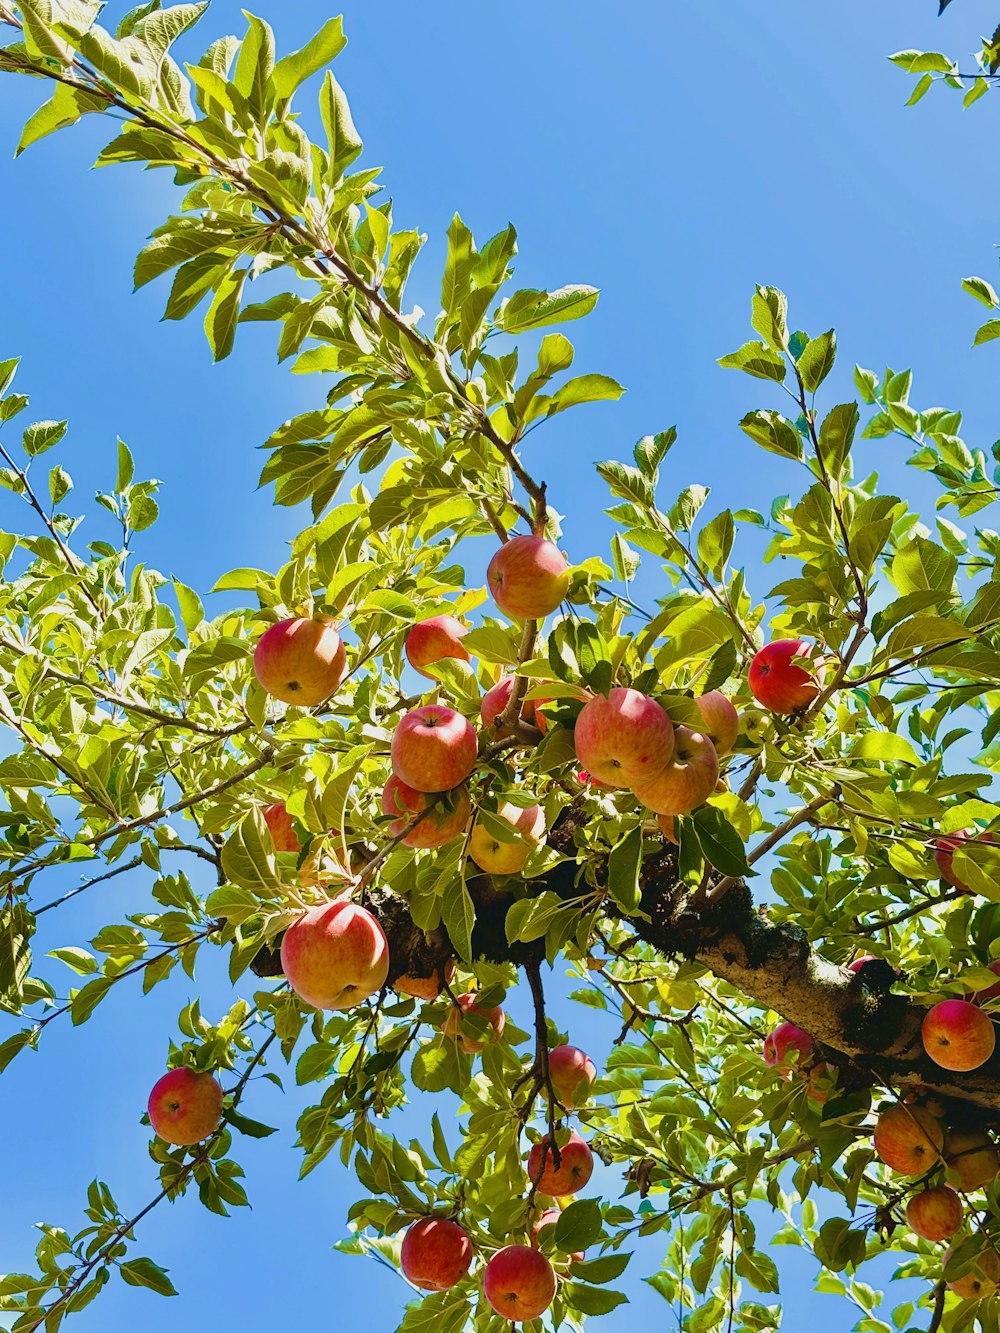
[[335, 955], [572, 1074], [496, 699], [989, 992], [688, 779], [452, 1025], [549, 1219], [433, 748], [442, 822], [185, 1107], [576, 1165], [281, 828], [776, 682], [982, 1279], [508, 858], [528, 577], [859, 963], [935, 1214], [972, 1158], [721, 720], [666, 827], [436, 1254], [300, 661], [944, 853], [958, 1035], [429, 641], [425, 988], [519, 1283], [623, 739], [908, 1139], [787, 1047]]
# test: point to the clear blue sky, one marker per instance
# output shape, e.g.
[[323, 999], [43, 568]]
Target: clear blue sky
[[671, 154]]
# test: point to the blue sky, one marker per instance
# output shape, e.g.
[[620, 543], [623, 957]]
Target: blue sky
[[671, 154]]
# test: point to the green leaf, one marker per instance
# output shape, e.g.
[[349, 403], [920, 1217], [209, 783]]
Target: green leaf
[[982, 290], [774, 433], [531, 309], [293, 69], [769, 316], [579, 1226], [624, 864], [886, 747], [989, 331], [816, 360], [343, 139], [441, 1312], [126, 468], [248, 856], [43, 435], [64, 107], [754, 358], [458, 915], [720, 842], [223, 314], [144, 1273], [192, 610], [593, 1300], [581, 389]]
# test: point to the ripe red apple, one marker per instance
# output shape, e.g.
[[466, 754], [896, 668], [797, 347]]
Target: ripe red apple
[[982, 1279], [935, 1214], [989, 992], [944, 853], [335, 955], [281, 828], [528, 577], [776, 682], [425, 988], [623, 739], [433, 748], [495, 702], [666, 827], [185, 1107], [573, 1075], [958, 1035], [908, 1139], [466, 1004], [436, 1253], [429, 641], [576, 1165], [787, 1047], [721, 720], [300, 661], [548, 1219], [972, 1158], [508, 858], [438, 826], [519, 1283], [688, 779], [859, 963]]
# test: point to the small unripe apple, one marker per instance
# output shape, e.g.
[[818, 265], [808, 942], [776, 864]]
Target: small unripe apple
[[981, 1280], [687, 781], [576, 1166], [958, 1035], [282, 828], [721, 720], [528, 578], [300, 661], [572, 1074], [519, 1283], [436, 1254], [442, 821], [935, 1214], [466, 1004], [430, 641], [777, 682], [508, 858], [425, 988], [908, 1139], [787, 1047], [623, 739], [335, 955], [549, 1219], [433, 748], [944, 855], [495, 702], [972, 1158], [185, 1107]]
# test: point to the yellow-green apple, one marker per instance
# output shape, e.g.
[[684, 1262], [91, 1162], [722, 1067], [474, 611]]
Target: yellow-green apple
[[576, 1165], [444, 820], [859, 963], [507, 858], [282, 828], [335, 955], [721, 720], [935, 1214], [425, 988], [944, 854], [496, 699], [777, 682], [519, 1283], [624, 738], [908, 1139], [549, 1219], [436, 1253], [300, 661], [982, 1278], [787, 1047], [528, 577], [466, 1004], [989, 992], [572, 1074], [185, 1107], [688, 779], [972, 1158], [433, 748], [665, 823], [958, 1035], [430, 641]]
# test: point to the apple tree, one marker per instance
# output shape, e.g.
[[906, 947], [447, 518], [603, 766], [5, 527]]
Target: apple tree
[[754, 820]]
